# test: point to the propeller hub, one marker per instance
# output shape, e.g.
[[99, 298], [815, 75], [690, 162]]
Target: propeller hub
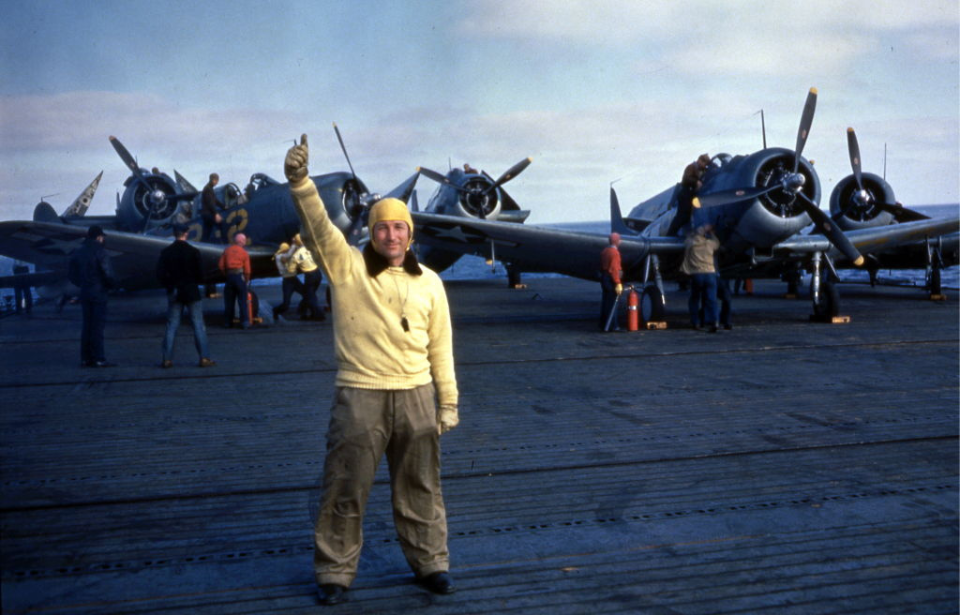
[[157, 197], [794, 182]]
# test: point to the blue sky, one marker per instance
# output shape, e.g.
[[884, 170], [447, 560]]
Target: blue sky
[[594, 91]]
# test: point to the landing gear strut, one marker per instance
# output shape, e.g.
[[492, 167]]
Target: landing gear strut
[[652, 298], [825, 296], [934, 267]]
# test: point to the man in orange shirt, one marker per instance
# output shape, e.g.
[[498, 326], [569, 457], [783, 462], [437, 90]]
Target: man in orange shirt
[[235, 264], [610, 281]]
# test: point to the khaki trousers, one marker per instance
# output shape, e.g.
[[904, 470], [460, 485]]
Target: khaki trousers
[[364, 425]]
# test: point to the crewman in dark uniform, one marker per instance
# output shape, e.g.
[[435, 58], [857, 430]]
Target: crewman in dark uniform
[[91, 270], [210, 211], [690, 185]]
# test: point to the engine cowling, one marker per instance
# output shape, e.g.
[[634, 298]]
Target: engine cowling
[[147, 203], [474, 199], [853, 209], [772, 216], [341, 194]]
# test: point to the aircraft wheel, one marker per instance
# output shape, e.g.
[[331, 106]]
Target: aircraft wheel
[[651, 304], [828, 304]]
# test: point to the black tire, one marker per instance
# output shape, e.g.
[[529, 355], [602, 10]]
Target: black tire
[[828, 305], [651, 305]]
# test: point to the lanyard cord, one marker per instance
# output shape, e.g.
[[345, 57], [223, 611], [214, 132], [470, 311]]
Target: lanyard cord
[[403, 304]]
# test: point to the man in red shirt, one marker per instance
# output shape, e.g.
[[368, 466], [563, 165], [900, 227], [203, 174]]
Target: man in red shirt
[[610, 281], [235, 264]]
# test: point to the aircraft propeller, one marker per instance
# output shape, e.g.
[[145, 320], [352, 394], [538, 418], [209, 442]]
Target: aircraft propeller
[[473, 190], [361, 201], [863, 199], [793, 183], [156, 198]]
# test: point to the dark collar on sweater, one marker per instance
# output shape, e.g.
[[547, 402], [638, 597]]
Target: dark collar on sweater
[[377, 263]]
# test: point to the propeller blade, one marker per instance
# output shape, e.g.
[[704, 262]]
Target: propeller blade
[[439, 178], [724, 197], [510, 173], [832, 232], [183, 196], [355, 232], [125, 156], [414, 204], [344, 148], [129, 161], [854, 147], [806, 121], [901, 213]]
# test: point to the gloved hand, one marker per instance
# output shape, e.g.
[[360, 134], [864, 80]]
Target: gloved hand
[[295, 164], [618, 288], [447, 419]]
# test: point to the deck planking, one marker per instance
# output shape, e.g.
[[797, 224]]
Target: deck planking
[[783, 466]]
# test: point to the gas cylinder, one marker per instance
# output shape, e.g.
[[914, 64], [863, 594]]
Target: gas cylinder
[[633, 317]]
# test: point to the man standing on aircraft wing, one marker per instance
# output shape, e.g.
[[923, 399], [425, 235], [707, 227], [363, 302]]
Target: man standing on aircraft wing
[[92, 271], [210, 211], [690, 185], [394, 351], [180, 270], [610, 283]]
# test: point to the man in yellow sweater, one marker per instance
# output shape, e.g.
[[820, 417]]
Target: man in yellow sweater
[[396, 388]]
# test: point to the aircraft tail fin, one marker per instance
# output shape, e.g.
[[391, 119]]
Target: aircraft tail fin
[[44, 212], [183, 182], [617, 225], [404, 190], [79, 206]]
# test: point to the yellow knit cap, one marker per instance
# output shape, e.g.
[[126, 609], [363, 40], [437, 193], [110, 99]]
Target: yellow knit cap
[[390, 209]]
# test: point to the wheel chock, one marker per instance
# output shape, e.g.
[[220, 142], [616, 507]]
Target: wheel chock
[[830, 320]]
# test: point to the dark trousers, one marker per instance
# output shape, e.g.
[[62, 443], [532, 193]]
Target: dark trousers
[[703, 287], [210, 224], [684, 206], [235, 291], [174, 314], [726, 300], [290, 285], [311, 284], [91, 336], [607, 301]]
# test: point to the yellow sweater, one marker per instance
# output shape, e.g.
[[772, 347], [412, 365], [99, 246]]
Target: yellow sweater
[[373, 351]]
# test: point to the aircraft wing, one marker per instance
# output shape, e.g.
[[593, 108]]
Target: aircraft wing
[[872, 240], [536, 248], [37, 278], [134, 256]]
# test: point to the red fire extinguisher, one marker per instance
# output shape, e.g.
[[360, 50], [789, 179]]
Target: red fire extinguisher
[[633, 317]]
